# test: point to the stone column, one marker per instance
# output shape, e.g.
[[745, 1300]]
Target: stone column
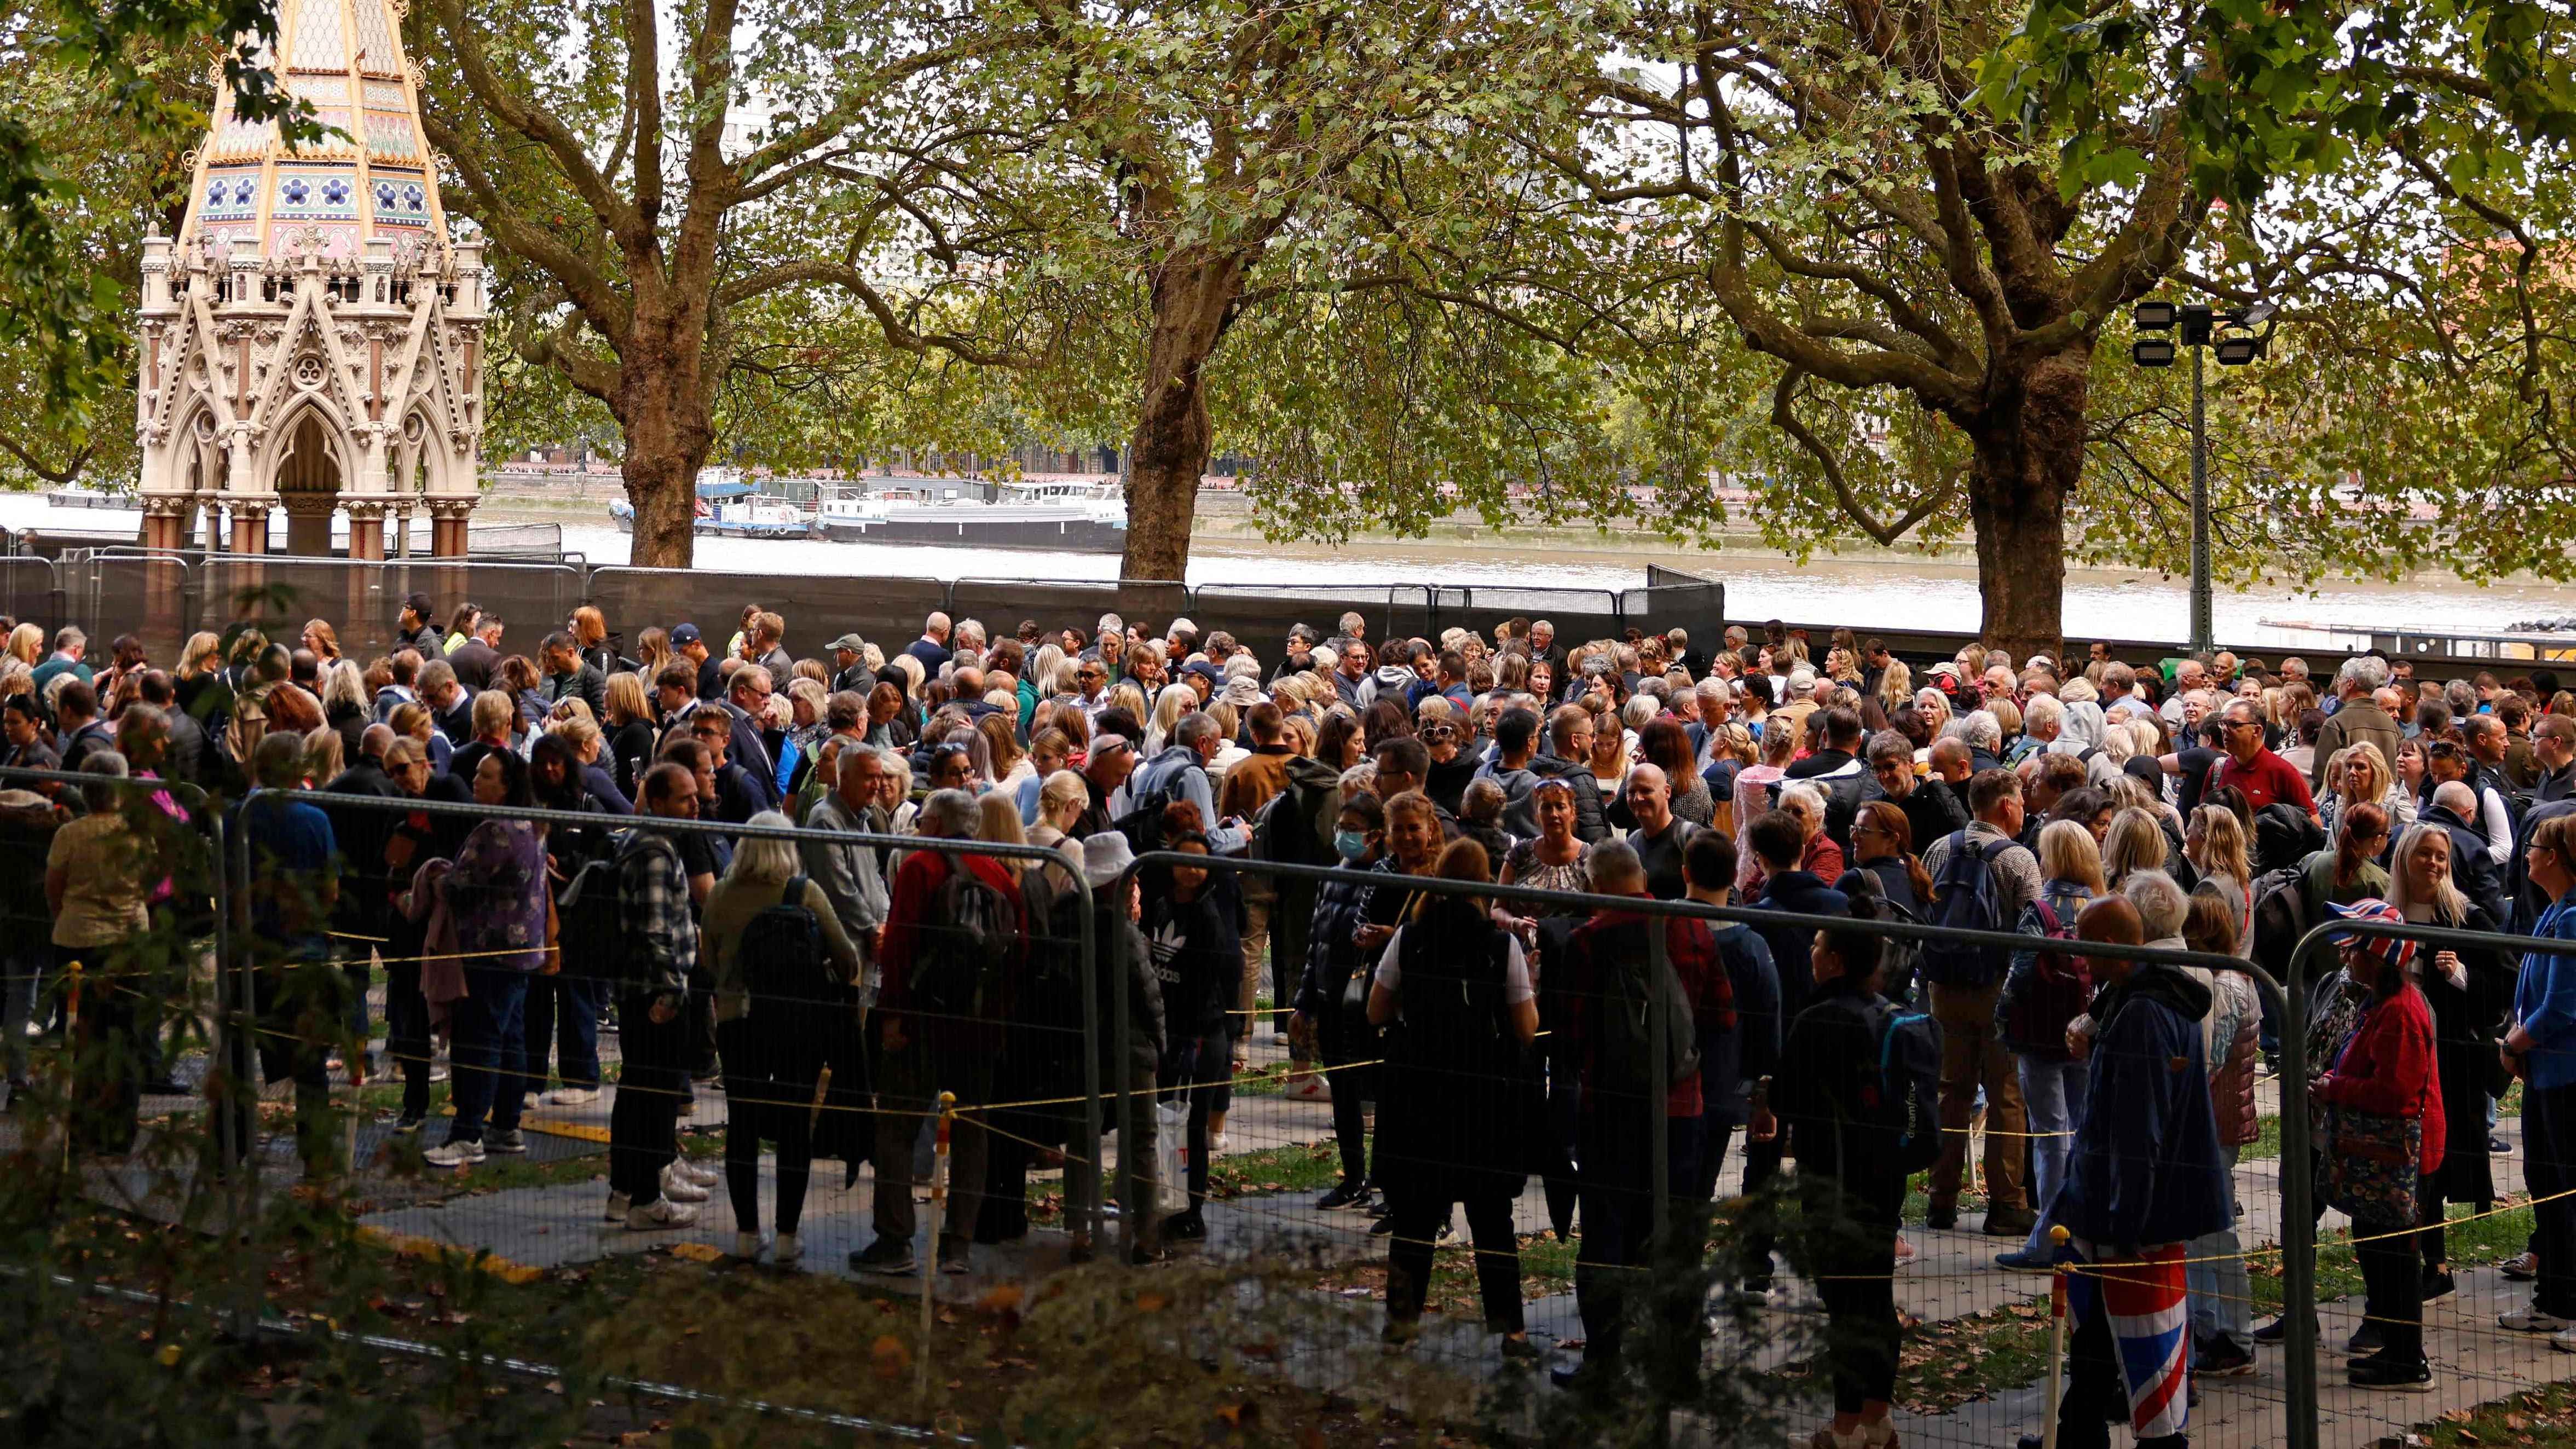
[[367, 529], [447, 537], [308, 523], [165, 522], [250, 522]]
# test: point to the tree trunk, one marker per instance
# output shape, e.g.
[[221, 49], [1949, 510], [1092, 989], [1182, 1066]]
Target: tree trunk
[[1193, 300], [667, 436], [2029, 455]]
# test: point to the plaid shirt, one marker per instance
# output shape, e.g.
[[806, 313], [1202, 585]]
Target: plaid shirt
[[654, 888]]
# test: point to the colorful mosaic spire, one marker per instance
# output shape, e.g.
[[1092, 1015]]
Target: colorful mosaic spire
[[371, 177]]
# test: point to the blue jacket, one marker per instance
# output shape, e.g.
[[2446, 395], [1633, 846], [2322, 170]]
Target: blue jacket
[[2148, 1173], [1728, 1060], [2544, 1001], [1806, 893]]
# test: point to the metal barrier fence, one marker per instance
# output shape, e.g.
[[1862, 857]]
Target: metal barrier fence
[[1049, 1136], [162, 598]]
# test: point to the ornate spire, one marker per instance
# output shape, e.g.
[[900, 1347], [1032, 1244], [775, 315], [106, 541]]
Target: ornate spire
[[373, 177]]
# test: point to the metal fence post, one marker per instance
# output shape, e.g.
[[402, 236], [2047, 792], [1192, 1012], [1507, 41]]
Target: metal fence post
[[1659, 966], [2298, 1207], [1122, 1045], [1090, 1138]]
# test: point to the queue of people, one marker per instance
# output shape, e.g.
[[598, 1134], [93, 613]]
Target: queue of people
[[2217, 804]]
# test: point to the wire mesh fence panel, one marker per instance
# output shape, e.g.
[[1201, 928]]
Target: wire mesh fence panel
[[29, 589], [887, 610], [1262, 614], [1399, 1139], [1577, 613], [1002, 603]]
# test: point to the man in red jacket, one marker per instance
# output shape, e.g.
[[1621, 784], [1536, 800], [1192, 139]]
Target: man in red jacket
[[921, 1053]]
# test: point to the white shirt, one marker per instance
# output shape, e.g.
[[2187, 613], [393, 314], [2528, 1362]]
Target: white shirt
[[1516, 979]]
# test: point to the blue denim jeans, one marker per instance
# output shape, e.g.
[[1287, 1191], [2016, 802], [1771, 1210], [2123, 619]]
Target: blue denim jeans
[[2216, 1280], [2053, 1094], [490, 1053]]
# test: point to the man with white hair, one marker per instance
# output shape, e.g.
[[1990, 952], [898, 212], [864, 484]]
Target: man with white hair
[[1542, 646], [1983, 734], [2189, 675], [2357, 718], [939, 1028]]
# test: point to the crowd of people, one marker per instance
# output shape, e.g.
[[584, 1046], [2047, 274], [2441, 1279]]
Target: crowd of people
[[2225, 805]]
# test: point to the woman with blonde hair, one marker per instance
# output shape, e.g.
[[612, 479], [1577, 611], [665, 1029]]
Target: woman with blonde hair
[[631, 732], [2136, 842], [2358, 772], [2470, 992], [2043, 991], [652, 651], [323, 754], [997, 822], [2215, 845], [773, 1050], [1175, 701], [1011, 764], [27, 644], [1127, 695]]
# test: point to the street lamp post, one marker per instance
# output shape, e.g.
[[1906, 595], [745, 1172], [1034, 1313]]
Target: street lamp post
[[2196, 326]]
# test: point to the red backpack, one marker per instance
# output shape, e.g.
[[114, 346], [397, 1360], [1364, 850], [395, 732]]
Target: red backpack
[[2058, 989]]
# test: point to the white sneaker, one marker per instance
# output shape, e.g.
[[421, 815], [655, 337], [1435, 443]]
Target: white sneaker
[[574, 1096], [659, 1214], [2564, 1340], [454, 1154], [678, 1188], [789, 1248], [1218, 1144], [746, 1246], [618, 1206], [2532, 1320], [702, 1176]]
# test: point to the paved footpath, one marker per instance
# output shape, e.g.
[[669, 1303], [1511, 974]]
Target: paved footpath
[[1951, 1277]]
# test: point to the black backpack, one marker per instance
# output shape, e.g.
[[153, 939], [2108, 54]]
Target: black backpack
[[1967, 896], [1905, 1099], [1627, 989], [589, 925], [783, 961], [957, 969], [1143, 822], [1296, 826]]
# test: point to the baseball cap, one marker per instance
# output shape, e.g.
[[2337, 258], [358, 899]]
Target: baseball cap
[[685, 634], [851, 642]]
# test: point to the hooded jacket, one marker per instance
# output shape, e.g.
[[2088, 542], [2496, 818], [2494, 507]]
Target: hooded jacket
[[2150, 1173]]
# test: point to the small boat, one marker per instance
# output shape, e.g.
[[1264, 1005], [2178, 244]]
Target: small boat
[[732, 510], [1073, 517]]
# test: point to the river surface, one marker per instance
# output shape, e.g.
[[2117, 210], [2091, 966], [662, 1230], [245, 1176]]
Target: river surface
[[1880, 591]]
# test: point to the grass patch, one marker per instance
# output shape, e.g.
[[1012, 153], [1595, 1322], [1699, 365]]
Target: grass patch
[[2542, 1418], [2266, 1146], [1547, 1270], [2469, 1244], [1959, 1360], [1296, 1167]]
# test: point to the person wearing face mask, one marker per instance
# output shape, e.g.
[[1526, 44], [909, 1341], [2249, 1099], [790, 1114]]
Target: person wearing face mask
[[1332, 1007]]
